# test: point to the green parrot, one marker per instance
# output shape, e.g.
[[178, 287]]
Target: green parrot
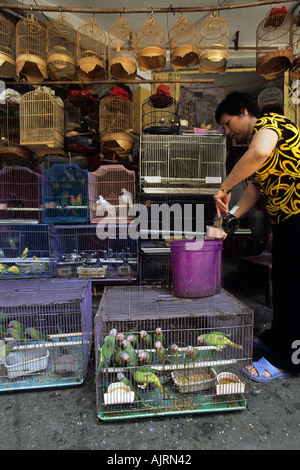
[[119, 358], [129, 349], [36, 335], [119, 338], [106, 351], [191, 354], [173, 353], [121, 378], [144, 357], [145, 375], [17, 325], [160, 352], [159, 336], [133, 338], [216, 339], [146, 339], [16, 334]]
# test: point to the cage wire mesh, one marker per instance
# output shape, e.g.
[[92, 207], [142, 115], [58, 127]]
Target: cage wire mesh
[[184, 163], [151, 46], [213, 44], [31, 54], [295, 69], [183, 40], [65, 194], [79, 251], [122, 62], [7, 48], [178, 355], [41, 121], [61, 49], [24, 251], [160, 113], [91, 51], [274, 43], [9, 122], [20, 194], [46, 333]]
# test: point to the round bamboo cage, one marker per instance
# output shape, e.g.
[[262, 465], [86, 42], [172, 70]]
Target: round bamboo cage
[[91, 51], [122, 50], [61, 49], [274, 44], [151, 46], [295, 69], [115, 125], [183, 41], [213, 45], [7, 48], [31, 56]]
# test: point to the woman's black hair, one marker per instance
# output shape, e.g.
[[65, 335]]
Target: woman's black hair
[[235, 103]]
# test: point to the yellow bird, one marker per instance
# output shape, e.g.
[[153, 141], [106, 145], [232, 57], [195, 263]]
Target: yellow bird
[[14, 270]]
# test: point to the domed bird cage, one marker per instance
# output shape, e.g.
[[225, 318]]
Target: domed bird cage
[[116, 123], [7, 48], [151, 46], [213, 45], [61, 49], [274, 43], [183, 41], [81, 123], [122, 50], [160, 113], [295, 69], [31, 55], [91, 51]]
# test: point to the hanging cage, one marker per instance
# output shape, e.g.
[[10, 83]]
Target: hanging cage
[[183, 41], [10, 119], [122, 50], [274, 43], [151, 46], [91, 51], [213, 45], [81, 122], [7, 48], [160, 113], [295, 69], [61, 49], [31, 55]]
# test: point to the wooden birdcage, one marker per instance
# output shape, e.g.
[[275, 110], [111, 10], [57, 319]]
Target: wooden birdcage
[[31, 49], [274, 43], [41, 121], [7, 48], [116, 123], [61, 49], [122, 50], [183, 41], [213, 45], [9, 123], [151, 46], [91, 51], [295, 69]]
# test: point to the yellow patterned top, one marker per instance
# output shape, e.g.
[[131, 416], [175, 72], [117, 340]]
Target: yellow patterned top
[[279, 176]]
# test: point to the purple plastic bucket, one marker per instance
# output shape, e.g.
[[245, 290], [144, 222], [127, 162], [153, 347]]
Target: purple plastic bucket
[[196, 267]]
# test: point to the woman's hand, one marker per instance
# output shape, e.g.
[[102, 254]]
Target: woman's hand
[[222, 201]]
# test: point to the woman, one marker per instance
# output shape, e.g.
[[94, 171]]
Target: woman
[[271, 168]]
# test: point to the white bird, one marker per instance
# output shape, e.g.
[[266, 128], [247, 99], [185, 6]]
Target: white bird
[[127, 197], [105, 206]]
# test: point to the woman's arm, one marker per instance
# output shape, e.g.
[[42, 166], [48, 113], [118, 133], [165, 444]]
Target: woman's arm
[[248, 200]]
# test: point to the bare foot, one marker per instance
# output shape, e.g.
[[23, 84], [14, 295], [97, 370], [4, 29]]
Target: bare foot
[[251, 369]]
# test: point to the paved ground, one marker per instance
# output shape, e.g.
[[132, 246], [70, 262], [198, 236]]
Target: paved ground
[[65, 419]]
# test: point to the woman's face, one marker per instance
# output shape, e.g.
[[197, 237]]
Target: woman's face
[[238, 126]]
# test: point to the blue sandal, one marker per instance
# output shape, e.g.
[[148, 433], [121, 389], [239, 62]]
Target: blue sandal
[[263, 365], [259, 344]]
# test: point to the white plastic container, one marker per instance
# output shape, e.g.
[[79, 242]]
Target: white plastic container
[[232, 385], [26, 362]]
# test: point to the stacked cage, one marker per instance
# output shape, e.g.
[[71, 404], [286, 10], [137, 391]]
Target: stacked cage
[[158, 355], [91, 252], [20, 194], [24, 251], [160, 113], [46, 333], [65, 194], [9, 123], [7, 48]]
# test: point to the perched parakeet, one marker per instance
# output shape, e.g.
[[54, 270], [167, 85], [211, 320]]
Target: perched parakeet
[[133, 339], [119, 338], [36, 335], [191, 354], [15, 333], [159, 336], [79, 200], [129, 349], [145, 376], [173, 353], [106, 351], [146, 339], [121, 378], [25, 253], [160, 352], [16, 324], [144, 357], [216, 339]]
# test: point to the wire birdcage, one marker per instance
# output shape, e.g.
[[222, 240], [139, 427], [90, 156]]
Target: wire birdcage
[[48, 333], [182, 164], [80, 251], [81, 122], [65, 194], [295, 69], [41, 120], [183, 41], [160, 113], [274, 44], [24, 250], [151, 46], [122, 50], [31, 54], [91, 51], [9, 122], [213, 44], [61, 49], [175, 355], [20, 194], [116, 124], [117, 186], [7, 48]]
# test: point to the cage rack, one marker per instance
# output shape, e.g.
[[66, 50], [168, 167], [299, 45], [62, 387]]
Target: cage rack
[[24, 251], [88, 251], [46, 333], [183, 378], [182, 164]]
